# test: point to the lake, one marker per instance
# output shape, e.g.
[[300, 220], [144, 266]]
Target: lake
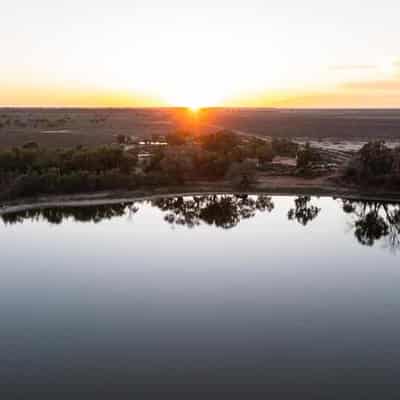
[[200, 294]]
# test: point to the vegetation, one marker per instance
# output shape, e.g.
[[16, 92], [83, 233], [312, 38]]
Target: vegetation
[[210, 157], [223, 142], [375, 220], [178, 138], [306, 157], [184, 158], [82, 214], [33, 159], [375, 164], [242, 175], [370, 221], [303, 212], [222, 211], [284, 147], [32, 171]]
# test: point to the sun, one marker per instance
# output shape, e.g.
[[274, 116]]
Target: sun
[[195, 106], [192, 101], [194, 109], [193, 96]]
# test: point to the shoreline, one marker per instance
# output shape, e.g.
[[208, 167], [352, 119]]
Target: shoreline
[[118, 196]]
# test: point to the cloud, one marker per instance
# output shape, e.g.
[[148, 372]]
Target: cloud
[[389, 81], [391, 85], [355, 67], [341, 100], [397, 68]]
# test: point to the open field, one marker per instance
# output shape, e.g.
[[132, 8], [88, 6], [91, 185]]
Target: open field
[[54, 127], [313, 123]]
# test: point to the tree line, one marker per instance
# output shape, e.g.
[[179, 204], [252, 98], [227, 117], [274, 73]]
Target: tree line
[[33, 170]]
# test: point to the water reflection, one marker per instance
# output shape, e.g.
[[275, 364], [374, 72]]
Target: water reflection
[[370, 221], [374, 220], [303, 212], [285, 297], [221, 211], [93, 213]]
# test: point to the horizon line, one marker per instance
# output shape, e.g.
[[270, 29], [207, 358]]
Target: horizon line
[[86, 107]]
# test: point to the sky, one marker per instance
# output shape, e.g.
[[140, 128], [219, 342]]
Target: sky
[[286, 53]]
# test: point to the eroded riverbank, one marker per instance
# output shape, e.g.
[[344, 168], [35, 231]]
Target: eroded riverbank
[[275, 186]]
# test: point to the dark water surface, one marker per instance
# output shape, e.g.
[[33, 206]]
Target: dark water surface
[[202, 294]]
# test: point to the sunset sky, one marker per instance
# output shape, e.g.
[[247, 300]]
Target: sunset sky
[[308, 53]]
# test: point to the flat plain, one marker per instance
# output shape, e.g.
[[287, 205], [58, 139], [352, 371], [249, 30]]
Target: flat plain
[[67, 127]]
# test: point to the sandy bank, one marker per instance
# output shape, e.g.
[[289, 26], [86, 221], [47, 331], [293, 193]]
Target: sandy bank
[[277, 186]]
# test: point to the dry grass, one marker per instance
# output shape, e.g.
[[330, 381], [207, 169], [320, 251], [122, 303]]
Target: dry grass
[[346, 130]]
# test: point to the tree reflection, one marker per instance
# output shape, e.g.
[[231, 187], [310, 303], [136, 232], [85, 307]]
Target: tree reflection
[[371, 221], [375, 220], [224, 211], [303, 212], [56, 215]]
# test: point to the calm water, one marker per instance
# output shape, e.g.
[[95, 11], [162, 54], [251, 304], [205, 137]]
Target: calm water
[[215, 292]]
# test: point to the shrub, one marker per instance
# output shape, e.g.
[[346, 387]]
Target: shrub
[[307, 156], [376, 158], [242, 175], [98, 159], [177, 138], [221, 142], [284, 147], [374, 164]]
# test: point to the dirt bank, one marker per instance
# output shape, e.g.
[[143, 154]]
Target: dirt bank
[[271, 185]]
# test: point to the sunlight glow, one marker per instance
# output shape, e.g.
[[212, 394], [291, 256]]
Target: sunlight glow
[[193, 54], [194, 109], [388, 66], [193, 95]]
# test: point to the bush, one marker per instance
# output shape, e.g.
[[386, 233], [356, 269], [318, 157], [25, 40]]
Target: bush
[[374, 164], [176, 166], [30, 145], [52, 182], [31, 158], [264, 153], [284, 147], [242, 175], [221, 142], [178, 138], [210, 165], [376, 159], [307, 156]]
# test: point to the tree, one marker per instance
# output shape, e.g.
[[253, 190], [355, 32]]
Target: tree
[[307, 156], [373, 221], [376, 158], [264, 153], [225, 211], [303, 212], [242, 175], [284, 147], [222, 142], [178, 138], [374, 163], [210, 165], [30, 145], [175, 166], [121, 139]]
